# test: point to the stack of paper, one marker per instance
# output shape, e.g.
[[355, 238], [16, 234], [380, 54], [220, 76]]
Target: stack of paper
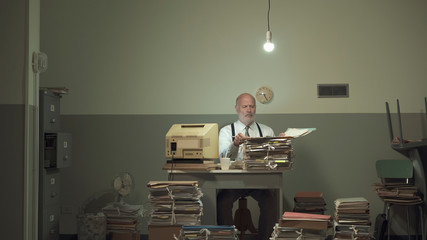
[[175, 202], [398, 193], [305, 221], [309, 202], [190, 165], [352, 218], [346, 231], [288, 233], [270, 153], [122, 217], [208, 232]]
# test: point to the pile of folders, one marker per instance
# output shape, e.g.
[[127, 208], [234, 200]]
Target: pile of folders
[[309, 202], [399, 193], [267, 153], [352, 220], [296, 225], [205, 232], [122, 217], [175, 202]]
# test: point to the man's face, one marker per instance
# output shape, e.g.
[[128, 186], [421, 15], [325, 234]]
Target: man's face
[[246, 109]]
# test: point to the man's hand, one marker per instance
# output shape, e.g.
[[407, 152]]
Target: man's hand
[[239, 139], [282, 134]]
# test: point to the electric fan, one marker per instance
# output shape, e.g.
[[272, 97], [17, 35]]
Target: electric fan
[[123, 184]]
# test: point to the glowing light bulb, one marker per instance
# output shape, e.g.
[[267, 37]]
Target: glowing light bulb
[[269, 45]]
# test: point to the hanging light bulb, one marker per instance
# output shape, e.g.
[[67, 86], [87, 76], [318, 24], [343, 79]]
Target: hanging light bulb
[[268, 45]]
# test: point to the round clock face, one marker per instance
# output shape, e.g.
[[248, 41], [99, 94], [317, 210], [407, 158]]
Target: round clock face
[[264, 94]]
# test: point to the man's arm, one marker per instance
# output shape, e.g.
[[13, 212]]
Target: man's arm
[[226, 144]]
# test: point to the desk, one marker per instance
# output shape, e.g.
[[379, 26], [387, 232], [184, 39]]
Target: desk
[[213, 180], [417, 153]]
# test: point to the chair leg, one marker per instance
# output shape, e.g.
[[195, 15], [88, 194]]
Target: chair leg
[[388, 221], [421, 210], [408, 225]]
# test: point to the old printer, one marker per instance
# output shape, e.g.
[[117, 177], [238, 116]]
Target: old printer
[[192, 141]]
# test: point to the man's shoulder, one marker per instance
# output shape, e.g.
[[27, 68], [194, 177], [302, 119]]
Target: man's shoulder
[[263, 126], [228, 126], [266, 130]]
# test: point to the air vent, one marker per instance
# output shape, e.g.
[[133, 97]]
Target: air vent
[[332, 91]]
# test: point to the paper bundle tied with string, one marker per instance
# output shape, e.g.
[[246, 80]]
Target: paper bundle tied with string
[[267, 153]]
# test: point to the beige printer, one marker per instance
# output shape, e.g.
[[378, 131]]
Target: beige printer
[[192, 141]]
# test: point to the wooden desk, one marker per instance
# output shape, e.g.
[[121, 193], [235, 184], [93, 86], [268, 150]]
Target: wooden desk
[[212, 181]]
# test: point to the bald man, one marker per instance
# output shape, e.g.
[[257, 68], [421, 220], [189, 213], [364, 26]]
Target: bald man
[[231, 138]]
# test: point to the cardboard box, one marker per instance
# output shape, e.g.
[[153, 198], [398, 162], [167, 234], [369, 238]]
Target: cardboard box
[[163, 232]]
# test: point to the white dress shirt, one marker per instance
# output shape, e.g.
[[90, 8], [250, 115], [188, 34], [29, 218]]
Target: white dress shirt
[[226, 141]]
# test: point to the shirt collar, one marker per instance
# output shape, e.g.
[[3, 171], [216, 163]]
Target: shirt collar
[[241, 125]]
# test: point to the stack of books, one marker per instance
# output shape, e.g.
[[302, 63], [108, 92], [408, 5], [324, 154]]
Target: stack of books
[[267, 153], [175, 202], [123, 217], [352, 218], [297, 225], [309, 202], [288, 233], [305, 221], [207, 232]]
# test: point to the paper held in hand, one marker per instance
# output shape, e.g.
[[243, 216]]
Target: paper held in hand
[[298, 132]]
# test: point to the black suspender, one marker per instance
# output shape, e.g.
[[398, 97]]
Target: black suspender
[[233, 132], [259, 129]]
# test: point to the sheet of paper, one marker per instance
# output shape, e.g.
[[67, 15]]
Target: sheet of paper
[[298, 132]]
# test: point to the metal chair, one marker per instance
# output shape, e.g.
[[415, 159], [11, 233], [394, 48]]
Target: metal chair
[[399, 172]]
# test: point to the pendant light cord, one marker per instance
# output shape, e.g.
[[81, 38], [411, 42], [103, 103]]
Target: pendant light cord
[[268, 16]]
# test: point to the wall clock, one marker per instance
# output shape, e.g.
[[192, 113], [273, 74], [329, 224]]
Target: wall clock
[[264, 94]]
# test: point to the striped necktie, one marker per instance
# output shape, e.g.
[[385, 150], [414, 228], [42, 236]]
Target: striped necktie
[[247, 131]]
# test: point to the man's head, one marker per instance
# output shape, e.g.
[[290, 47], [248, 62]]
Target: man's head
[[246, 108]]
